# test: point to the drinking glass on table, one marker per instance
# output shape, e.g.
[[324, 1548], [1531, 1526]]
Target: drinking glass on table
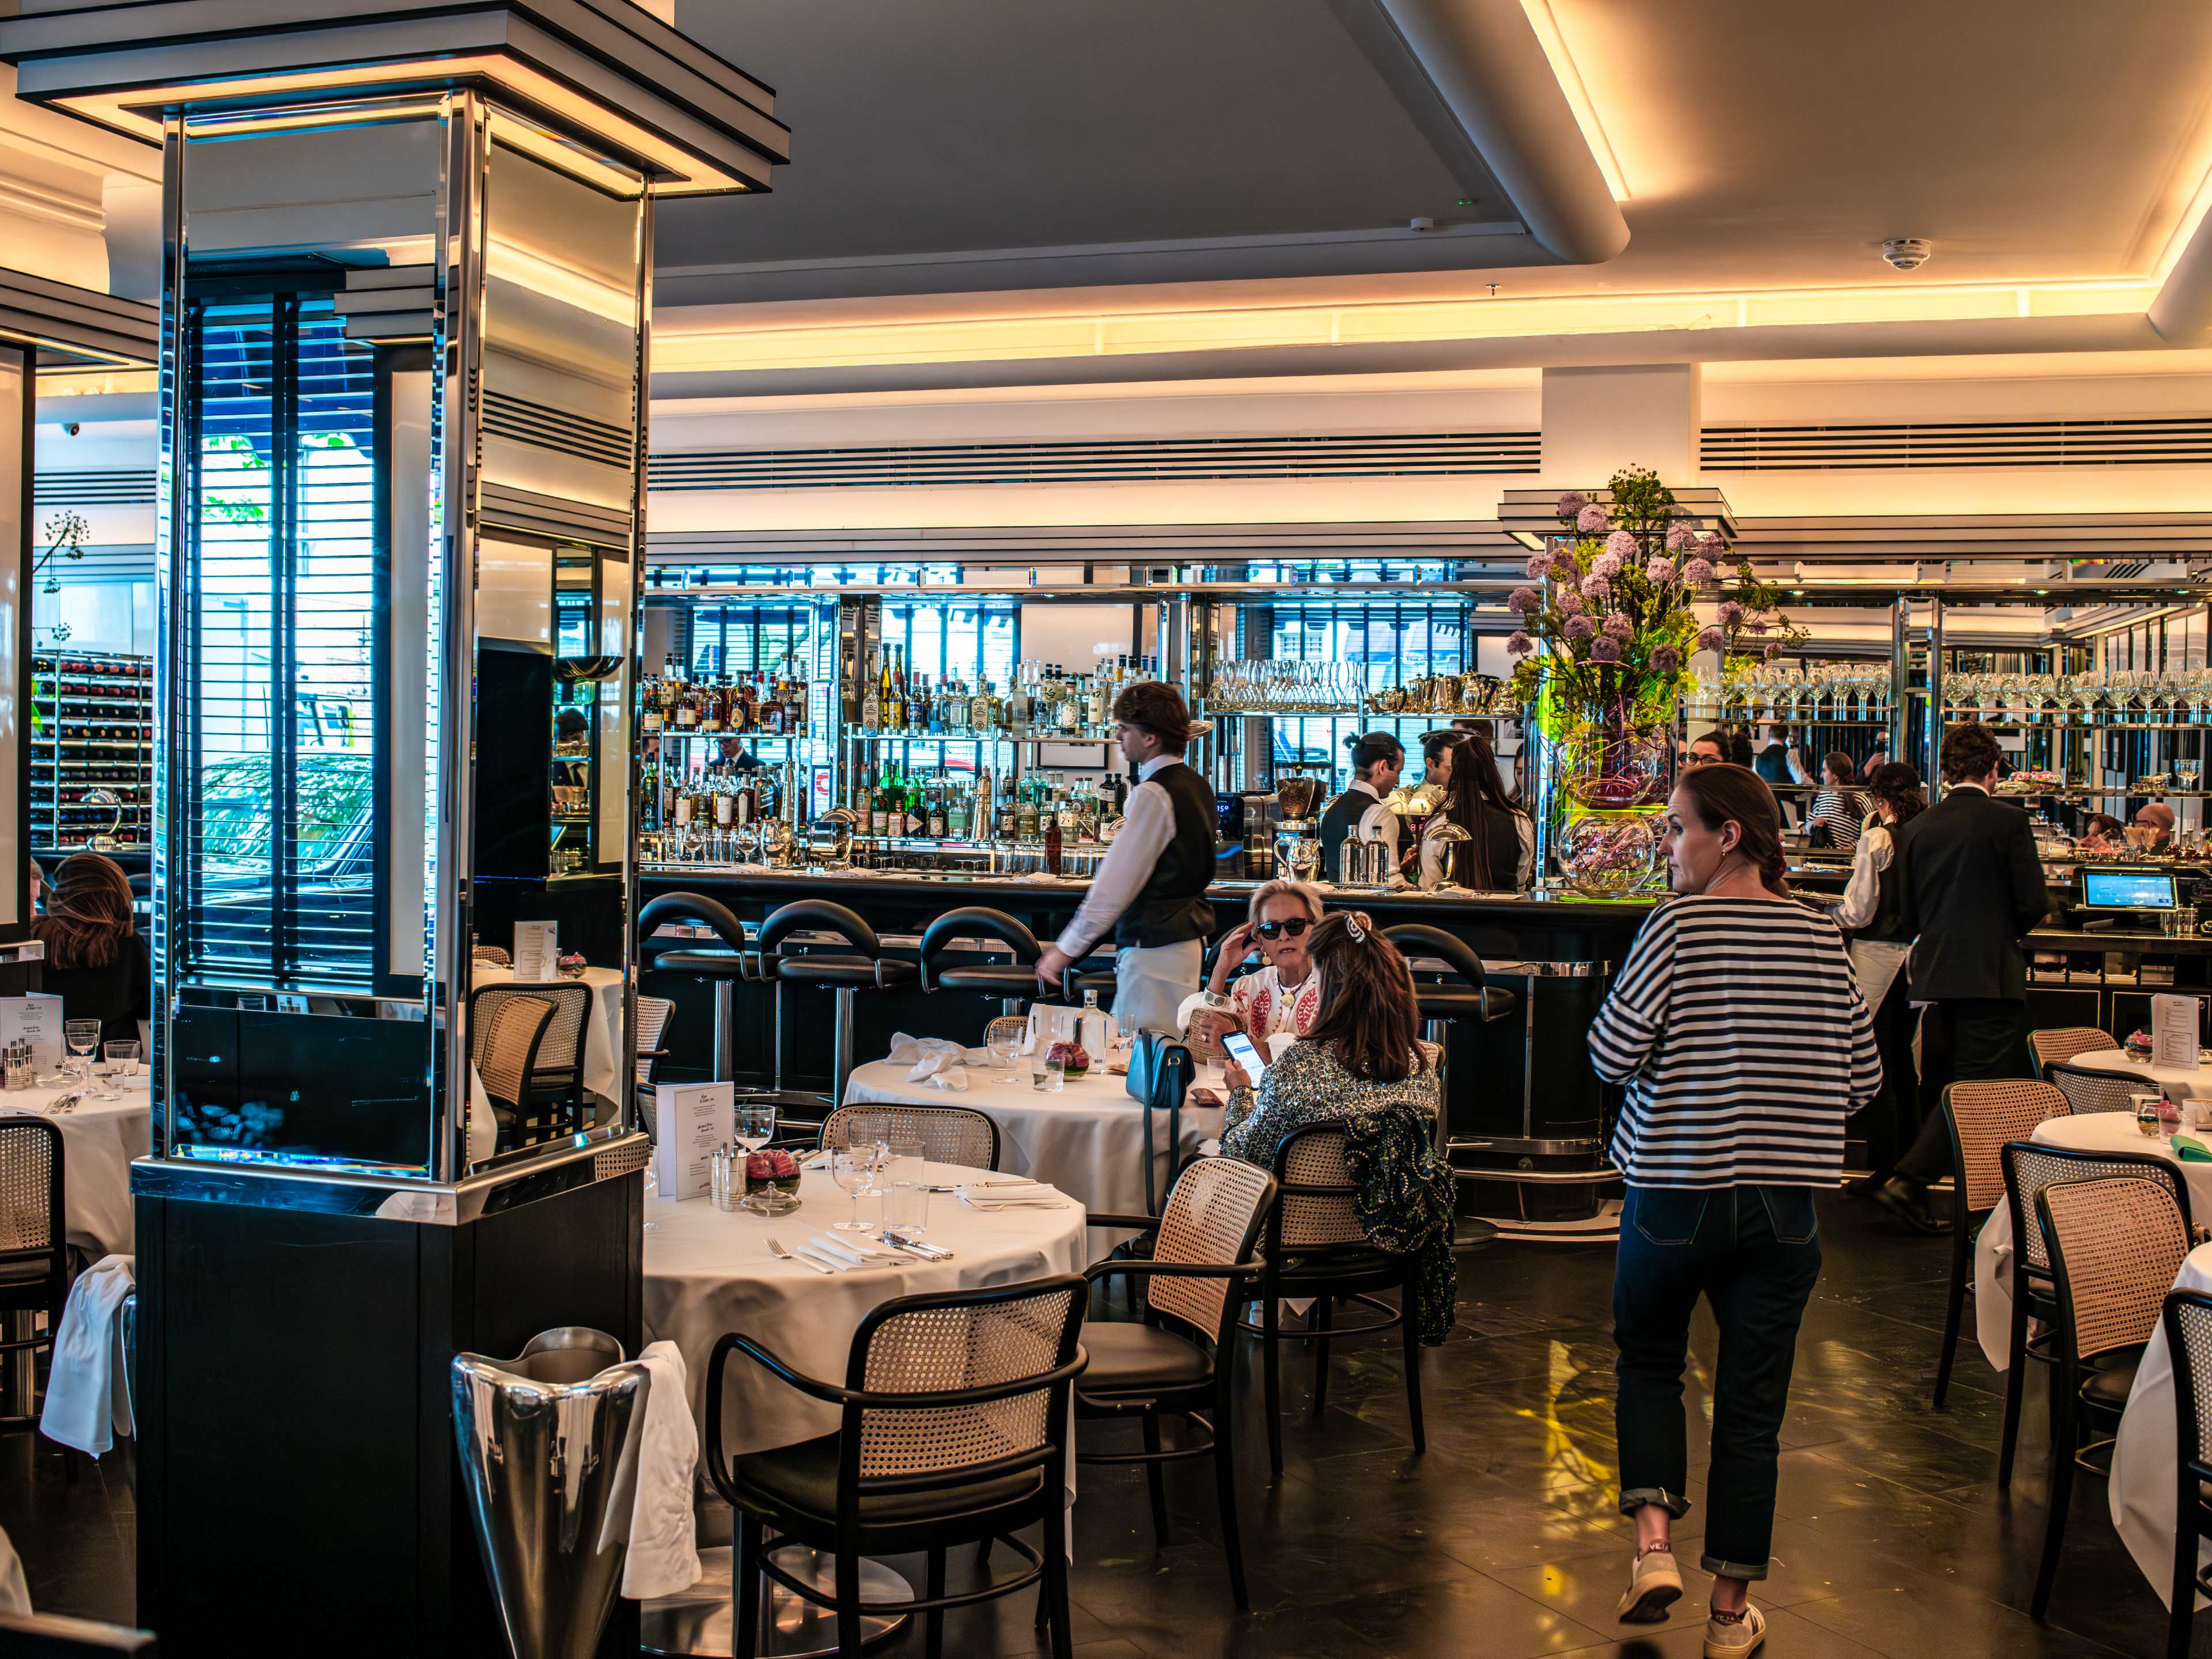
[[853, 1169], [752, 1127], [1003, 1036], [82, 1037], [906, 1208], [123, 1057]]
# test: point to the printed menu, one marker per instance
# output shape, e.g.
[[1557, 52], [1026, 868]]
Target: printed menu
[[691, 1120], [2173, 1028], [537, 952]]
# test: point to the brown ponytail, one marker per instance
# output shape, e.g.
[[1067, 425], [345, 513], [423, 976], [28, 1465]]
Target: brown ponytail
[[1724, 794], [1368, 1014]]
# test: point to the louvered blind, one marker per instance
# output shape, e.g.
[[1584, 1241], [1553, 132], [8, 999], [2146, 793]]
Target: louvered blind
[[279, 741]]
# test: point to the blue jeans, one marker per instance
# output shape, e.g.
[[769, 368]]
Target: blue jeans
[[1754, 1252]]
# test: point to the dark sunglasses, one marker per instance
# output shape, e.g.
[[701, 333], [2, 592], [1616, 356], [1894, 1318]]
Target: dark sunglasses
[[1271, 930]]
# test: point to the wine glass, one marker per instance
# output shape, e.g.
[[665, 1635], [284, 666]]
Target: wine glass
[[752, 1127], [82, 1037], [853, 1167], [1004, 1037]]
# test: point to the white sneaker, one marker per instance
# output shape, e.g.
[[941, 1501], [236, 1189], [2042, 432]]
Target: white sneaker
[[1737, 1639], [1655, 1584]]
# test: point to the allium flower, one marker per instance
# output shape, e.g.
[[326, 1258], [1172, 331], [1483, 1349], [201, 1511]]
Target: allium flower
[[1659, 571], [1621, 545], [1564, 563], [1519, 644], [1607, 649], [1540, 565], [1698, 571], [1681, 536], [1620, 626], [1773, 652], [1711, 639], [1754, 627], [1730, 614], [1606, 565], [1666, 660], [1591, 520], [1572, 505], [1595, 587], [1580, 628], [1570, 603], [1712, 546], [1523, 599]]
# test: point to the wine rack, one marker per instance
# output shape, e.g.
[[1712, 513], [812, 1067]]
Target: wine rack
[[94, 731]]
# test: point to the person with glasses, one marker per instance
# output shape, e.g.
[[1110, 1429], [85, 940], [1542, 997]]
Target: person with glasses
[[1710, 750], [1283, 996]]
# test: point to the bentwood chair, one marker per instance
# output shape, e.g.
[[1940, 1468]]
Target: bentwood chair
[[948, 1134], [1316, 1248], [2028, 1169], [953, 1430], [2057, 1043], [34, 1276], [654, 1014], [2093, 1091], [1982, 1117], [2116, 1245], [2188, 1315], [507, 1038], [1175, 1357], [552, 1100]]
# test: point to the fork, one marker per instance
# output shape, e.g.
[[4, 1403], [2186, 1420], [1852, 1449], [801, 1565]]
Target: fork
[[776, 1245]]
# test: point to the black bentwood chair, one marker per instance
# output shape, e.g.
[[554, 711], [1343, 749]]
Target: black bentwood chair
[[34, 1276], [2188, 1317], [1177, 1360], [2029, 1167], [955, 1422]]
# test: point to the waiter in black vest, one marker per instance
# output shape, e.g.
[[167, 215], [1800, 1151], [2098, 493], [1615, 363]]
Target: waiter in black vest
[[1378, 761], [1150, 893]]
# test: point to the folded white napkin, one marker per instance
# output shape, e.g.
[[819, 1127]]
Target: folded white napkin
[[88, 1403], [15, 1594], [664, 1554], [1033, 1196], [917, 1051], [954, 1077]]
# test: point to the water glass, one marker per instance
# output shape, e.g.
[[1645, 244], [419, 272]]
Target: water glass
[[1004, 1037], [906, 1208], [82, 1037], [1038, 1064], [123, 1057], [2146, 1113], [1056, 1074]]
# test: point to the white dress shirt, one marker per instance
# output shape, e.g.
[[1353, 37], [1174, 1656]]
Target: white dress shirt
[[1378, 822], [1147, 827]]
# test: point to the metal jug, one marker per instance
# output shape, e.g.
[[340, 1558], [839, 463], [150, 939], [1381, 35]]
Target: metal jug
[[542, 1438]]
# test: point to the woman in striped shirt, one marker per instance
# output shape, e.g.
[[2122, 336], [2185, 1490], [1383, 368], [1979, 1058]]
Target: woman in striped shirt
[[1738, 1027], [1839, 808]]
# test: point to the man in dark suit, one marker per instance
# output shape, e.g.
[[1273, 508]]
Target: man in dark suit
[[1972, 889]]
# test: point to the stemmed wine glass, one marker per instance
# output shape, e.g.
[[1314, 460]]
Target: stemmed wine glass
[[82, 1037], [853, 1167], [1004, 1036]]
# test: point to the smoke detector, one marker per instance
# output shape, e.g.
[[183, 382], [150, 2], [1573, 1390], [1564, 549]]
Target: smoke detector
[[1908, 253]]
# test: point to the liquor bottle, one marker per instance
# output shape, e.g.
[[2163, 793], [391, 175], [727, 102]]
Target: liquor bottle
[[772, 711], [651, 719], [916, 822], [1025, 810], [895, 710], [1101, 702], [1052, 845], [712, 709], [956, 814], [872, 708], [687, 710], [879, 815], [936, 826], [979, 710]]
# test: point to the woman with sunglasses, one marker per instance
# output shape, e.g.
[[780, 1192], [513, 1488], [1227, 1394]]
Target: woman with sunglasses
[[1283, 995]]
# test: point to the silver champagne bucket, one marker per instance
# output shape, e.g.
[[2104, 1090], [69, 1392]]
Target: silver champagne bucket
[[542, 1438]]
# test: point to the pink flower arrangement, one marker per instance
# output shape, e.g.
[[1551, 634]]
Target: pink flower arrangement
[[1607, 649], [1711, 639], [1591, 520], [1730, 614], [1712, 546], [1518, 644], [1572, 505], [1595, 587], [1621, 545], [1680, 536], [1607, 564], [1666, 660], [1523, 599], [1570, 603], [1540, 566], [1698, 572], [1580, 628], [1659, 572], [1619, 627]]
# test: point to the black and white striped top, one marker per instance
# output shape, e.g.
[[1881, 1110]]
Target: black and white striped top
[[1739, 1029]]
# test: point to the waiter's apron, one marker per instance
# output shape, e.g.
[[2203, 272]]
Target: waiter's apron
[[1151, 981]]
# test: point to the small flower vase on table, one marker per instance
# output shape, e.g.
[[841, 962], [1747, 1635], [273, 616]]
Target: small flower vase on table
[[771, 1181]]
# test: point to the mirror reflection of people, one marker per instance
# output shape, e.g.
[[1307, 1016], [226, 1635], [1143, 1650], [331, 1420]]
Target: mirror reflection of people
[[2103, 834], [2156, 821], [95, 958], [1708, 749], [1378, 760], [37, 887], [1498, 855]]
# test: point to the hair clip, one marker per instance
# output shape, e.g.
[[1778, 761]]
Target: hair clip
[[1355, 923]]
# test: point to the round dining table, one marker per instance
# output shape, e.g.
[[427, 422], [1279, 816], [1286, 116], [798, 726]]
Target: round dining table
[[2085, 1132], [100, 1139], [2144, 1486], [2180, 1082], [710, 1271], [1086, 1137], [603, 1030]]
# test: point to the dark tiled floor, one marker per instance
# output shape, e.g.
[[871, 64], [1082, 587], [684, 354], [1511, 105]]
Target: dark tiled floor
[[1503, 1541]]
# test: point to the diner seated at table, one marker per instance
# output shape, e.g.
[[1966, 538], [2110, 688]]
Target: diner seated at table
[[1361, 1054], [1283, 995], [2156, 821], [96, 959], [2102, 832]]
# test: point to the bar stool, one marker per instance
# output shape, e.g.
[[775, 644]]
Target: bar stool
[[721, 969], [1441, 1002], [861, 966], [1011, 982]]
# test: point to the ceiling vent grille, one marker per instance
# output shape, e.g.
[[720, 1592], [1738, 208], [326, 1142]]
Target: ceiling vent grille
[[93, 488], [1138, 460], [2183, 442]]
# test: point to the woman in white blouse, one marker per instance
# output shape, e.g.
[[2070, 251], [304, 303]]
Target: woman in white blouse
[[1284, 996]]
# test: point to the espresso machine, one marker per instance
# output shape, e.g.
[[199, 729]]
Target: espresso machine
[[1298, 835]]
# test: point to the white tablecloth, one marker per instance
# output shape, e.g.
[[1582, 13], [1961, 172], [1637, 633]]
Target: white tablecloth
[[2141, 1487], [98, 1140], [603, 1031], [2091, 1131], [708, 1272], [2179, 1084], [1088, 1139]]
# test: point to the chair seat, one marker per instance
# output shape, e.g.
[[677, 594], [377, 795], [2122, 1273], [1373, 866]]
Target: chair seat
[[1127, 1357], [866, 972], [1012, 977], [719, 964], [804, 1479], [1464, 1002], [2108, 1386], [24, 1273]]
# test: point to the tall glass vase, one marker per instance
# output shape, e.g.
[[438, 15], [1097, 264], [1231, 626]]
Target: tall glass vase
[[1615, 768]]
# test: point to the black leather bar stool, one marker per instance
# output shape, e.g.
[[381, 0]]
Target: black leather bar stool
[[1462, 992], [1010, 982], [861, 966], [721, 967]]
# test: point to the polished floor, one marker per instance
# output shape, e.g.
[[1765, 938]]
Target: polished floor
[[1503, 1541]]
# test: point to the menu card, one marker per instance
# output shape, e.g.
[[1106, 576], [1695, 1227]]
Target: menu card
[[35, 1018], [2173, 1028], [690, 1120], [537, 952]]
